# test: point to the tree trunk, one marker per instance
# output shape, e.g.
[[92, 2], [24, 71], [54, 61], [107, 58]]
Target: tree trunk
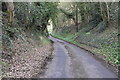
[[10, 8], [108, 14], [76, 22]]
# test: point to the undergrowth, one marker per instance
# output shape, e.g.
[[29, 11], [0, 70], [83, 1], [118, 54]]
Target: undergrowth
[[106, 43]]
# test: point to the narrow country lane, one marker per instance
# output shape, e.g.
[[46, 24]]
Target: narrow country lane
[[70, 61], [35, 37], [59, 66]]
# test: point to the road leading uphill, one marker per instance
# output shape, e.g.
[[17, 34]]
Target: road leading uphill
[[70, 61]]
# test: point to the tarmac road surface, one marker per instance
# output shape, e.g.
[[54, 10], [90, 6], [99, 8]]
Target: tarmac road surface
[[70, 61]]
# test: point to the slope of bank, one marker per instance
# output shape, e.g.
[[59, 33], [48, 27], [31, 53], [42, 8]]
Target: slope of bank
[[25, 51], [103, 45], [92, 26]]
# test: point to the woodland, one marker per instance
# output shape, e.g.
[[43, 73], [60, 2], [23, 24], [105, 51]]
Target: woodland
[[24, 38]]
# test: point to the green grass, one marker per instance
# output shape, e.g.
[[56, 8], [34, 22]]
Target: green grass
[[3, 63], [107, 42], [45, 40]]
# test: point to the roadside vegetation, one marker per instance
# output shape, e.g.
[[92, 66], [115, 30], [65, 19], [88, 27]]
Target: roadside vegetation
[[92, 26], [25, 46]]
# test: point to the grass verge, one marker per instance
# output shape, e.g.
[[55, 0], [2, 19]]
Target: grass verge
[[108, 54]]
